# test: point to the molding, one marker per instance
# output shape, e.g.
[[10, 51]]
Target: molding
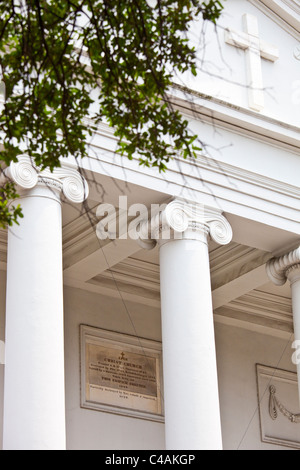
[[138, 281], [239, 196], [241, 120], [233, 174], [109, 291], [241, 302], [122, 284], [239, 286], [131, 276], [230, 262], [287, 14], [211, 180], [293, 273], [279, 269], [224, 114], [273, 318], [79, 239], [95, 395], [274, 429], [253, 327], [271, 308], [260, 308]]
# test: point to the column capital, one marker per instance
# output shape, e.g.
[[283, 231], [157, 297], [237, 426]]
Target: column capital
[[64, 179], [181, 219], [285, 267]]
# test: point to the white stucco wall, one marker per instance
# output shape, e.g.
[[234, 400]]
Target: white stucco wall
[[87, 429], [226, 77], [238, 351]]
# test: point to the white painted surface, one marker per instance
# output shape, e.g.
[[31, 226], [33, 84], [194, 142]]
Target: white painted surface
[[255, 49], [2, 338], [253, 175], [294, 278], [34, 404], [189, 359], [93, 430], [238, 350], [227, 78], [253, 171]]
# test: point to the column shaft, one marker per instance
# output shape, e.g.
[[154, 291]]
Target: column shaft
[[34, 402], [294, 277], [192, 413]]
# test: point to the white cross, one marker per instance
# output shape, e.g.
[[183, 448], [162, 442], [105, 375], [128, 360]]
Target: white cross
[[255, 49]]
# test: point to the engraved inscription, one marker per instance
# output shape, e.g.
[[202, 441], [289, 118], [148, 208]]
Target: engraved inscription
[[121, 376], [122, 371]]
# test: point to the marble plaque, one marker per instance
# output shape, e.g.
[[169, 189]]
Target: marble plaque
[[279, 408], [121, 374]]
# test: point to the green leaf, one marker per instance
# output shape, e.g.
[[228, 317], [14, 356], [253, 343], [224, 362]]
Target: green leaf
[[108, 60]]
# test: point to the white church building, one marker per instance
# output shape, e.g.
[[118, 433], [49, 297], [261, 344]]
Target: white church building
[[164, 312]]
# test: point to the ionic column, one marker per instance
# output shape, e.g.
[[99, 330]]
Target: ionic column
[[34, 394], [191, 397], [280, 270]]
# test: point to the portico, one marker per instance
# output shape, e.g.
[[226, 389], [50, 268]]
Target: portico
[[212, 291]]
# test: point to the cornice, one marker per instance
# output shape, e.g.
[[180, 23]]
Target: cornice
[[239, 119], [227, 262], [232, 261], [79, 240], [287, 13], [242, 192], [272, 306], [221, 113], [261, 311]]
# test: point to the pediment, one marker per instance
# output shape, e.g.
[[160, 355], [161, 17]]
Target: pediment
[[252, 59]]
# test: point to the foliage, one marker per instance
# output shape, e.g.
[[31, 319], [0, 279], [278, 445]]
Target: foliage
[[9, 214], [112, 60]]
